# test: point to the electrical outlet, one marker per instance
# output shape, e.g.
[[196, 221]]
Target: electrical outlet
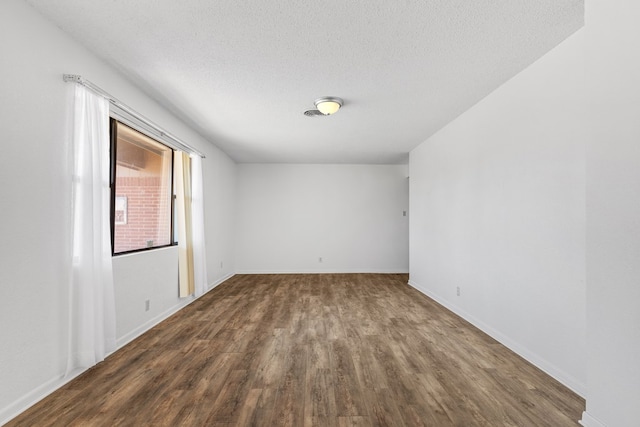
[[147, 305], [221, 264], [458, 290], [320, 259], [404, 213]]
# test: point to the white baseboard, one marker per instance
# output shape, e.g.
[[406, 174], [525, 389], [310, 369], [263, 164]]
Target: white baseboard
[[20, 405], [127, 338], [34, 396], [570, 382], [222, 279], [589, 421], [346, 271], [132, 335]]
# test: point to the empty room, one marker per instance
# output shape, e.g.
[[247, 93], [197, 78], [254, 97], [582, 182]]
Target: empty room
[[413, 213]]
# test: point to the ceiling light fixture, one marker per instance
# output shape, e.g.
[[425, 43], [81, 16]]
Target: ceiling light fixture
[[328, 105]]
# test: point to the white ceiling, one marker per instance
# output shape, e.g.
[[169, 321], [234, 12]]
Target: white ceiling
[[243, 72]]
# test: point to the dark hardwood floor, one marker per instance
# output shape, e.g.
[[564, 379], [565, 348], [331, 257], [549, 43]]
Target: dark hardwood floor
[[298, 350]]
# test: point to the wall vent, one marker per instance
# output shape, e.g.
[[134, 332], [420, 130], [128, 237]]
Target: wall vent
[[313, 113]]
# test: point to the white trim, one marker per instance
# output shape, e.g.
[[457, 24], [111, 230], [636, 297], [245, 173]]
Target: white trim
[[127, 338], [132, 335], [575, 385], [23, 403], [590, 421], [217, 282], [346, 271]]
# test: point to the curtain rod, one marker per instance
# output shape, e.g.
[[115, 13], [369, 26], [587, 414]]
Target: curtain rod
[[75, 78]]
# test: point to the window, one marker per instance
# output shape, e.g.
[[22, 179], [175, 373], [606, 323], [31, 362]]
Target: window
[[141, 191]]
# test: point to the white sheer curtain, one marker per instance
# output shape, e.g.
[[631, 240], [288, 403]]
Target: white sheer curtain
[[197, 212], [92, 308]]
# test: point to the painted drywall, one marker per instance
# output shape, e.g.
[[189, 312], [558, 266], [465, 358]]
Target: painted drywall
[[497, 211], [140, 277], [220, 216], [613, 213], [585, 92], [35, 193], [351, 216]]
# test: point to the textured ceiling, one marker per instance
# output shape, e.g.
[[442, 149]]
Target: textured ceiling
[[243, 72]]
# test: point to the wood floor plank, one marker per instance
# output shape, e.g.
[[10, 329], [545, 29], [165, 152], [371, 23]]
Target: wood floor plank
[[289, 403], [231, 399], [348, 391], [311, 350], [354, 422]]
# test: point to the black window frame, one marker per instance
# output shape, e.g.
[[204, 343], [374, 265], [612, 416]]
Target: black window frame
[[113, 135]]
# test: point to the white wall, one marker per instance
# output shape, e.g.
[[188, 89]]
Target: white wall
[[613, 213], [35, 226], [499, 199], [497, 209], [350, 215], [220, 216]]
